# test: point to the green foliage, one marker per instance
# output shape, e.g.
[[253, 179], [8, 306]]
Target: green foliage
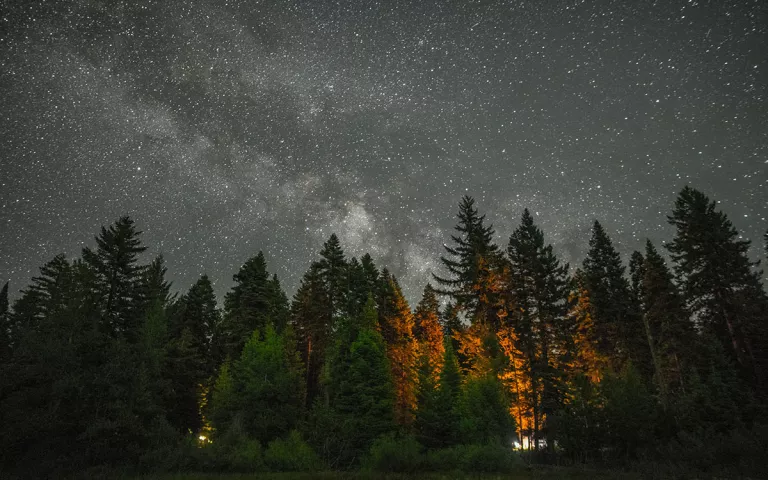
[[437, 414], [390, 453], [255, 302], [262, 391], [291, 454], [484, 412], [629, 411], [473, 243]]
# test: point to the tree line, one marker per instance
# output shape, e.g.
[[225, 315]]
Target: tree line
[[102, 367]]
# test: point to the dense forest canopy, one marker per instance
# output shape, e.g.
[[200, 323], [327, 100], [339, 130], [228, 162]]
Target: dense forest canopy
[[661, 359]]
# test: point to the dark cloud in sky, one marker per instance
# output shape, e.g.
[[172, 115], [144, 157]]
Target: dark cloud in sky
[[225, 128]]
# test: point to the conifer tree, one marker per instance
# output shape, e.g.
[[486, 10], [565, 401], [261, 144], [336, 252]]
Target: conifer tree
[[437, 414], [617, 326], [115, 262], [670, 333], [539, 288], [396, 325], [255, 301], [262, 390], [332, 268], [722, 291], [428, 331], [472, 244], [191, 365], [311, 319], [362, 392], [5, 324]]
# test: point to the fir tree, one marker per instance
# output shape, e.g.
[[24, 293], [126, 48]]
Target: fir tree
[[332, 268], [115, 262], [670, 333], [190, 362], [472, 244], [539, 288], [5, 324], [428, 331], [311, 318], [722, 291], [262, 390], [396, 325], [254, 302], [617, 327]]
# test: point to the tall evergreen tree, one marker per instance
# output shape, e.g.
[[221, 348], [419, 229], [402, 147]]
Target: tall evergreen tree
[[473, 244], [115, 262], [539, 288], [437, 415], [428, 331], [361, 387], [312, 321], [617, 326], [396, 325], [332, 268], [721, 288], [5, 324], [254, 302], [262, 390], [671, 336], [191, 364]]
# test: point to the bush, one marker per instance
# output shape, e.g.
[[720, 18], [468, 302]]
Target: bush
[[392, 454], [244, 456], [488, 459], [473, 458], [292, 454]]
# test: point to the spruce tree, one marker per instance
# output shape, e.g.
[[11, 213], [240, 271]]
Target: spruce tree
[[312, 322], [115, 262], [428, 331], [362, 395], [255, 301], [332, 268], [721, 288], [671, 336], [190, 364], [539, 288], [5, 324], [473, 244], [617, 326], [396, 325], [262, 390]]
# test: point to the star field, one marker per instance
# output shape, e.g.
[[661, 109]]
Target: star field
[[225, 128]]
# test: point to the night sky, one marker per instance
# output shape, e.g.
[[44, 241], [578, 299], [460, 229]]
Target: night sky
[[228, 127]]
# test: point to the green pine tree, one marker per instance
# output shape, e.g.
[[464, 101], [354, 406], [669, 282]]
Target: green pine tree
[[722, 290], [617, 326], [473, 247]]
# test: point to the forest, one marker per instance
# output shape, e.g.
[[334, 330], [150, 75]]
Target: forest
[[511, 358]]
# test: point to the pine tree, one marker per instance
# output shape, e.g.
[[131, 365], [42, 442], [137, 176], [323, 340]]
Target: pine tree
[[473, 244], [539, 288], [311, 319], [396, 325], [115, 262], [361, 387], [484, 412], [429, 332], [617, 327], [5, 324], [332, 268], [262, 390], [254, 302], [190, 362], [584, 356], [437, 415], [722, 291], [670, 333]]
